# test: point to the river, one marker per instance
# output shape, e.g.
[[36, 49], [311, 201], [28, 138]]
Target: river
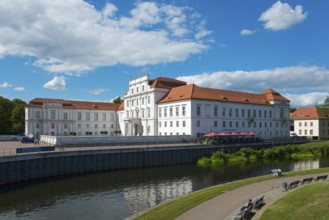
[[119, 194]]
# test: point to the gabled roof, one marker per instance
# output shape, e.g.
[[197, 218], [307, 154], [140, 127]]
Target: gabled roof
[[313, 112], [166, 83], [69, 104], [273, 95], [193, 91]]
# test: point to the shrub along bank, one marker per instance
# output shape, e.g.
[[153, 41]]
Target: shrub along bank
[[287, 152]]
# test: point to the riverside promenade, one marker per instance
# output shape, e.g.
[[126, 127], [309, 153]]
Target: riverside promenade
[[227, 205]]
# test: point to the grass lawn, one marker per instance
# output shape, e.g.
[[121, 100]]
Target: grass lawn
[[310, 201], [176, 207]]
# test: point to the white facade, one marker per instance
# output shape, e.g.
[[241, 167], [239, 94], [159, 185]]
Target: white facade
[[316, 129], [52, 118], [311, 123], [156, 108], [203, 117]]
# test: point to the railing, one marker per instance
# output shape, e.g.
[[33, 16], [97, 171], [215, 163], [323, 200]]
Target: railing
[[6, 152]]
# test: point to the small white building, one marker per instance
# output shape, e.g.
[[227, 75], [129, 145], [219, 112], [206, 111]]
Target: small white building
[[311, 122], [162, 107]]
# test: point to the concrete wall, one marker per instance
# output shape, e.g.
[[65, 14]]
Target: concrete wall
[[25, 167], [32, 166], [108, 140]]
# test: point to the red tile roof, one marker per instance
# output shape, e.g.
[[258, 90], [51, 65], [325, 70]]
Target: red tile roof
[[164, 82], [69, 104], [313, 112], [193, 91]]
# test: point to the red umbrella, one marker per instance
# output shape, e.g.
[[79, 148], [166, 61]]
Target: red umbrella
[[210, 135], [235, 134], [223, 134], [252, 133]]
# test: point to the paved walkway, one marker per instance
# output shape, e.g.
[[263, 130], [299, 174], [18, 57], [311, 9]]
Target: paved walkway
[[227, 205]]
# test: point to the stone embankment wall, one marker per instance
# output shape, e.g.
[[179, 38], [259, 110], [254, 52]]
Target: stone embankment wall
[[46, 164], [32, 166]]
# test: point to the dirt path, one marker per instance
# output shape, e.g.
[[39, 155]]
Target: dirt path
[[226, 206]]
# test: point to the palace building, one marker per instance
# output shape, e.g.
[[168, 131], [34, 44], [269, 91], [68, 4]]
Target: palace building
[[164, 106]]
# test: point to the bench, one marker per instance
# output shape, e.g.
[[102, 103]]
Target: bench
[[293, 184], [324, 177], [307, 180], [259, 202], [244, 213]]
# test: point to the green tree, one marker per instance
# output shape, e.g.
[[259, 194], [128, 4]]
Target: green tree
[[118, 100], [5, 114], [326, 102], [18, 116]]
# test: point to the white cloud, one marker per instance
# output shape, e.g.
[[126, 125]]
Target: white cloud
[[57, 83], [73, 37], [247, 32], [286, 80], [307, 99], [97, 91], [19, 89], [282, 16], [5, 85]]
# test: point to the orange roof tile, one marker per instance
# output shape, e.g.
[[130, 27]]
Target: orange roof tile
[[164, 82], [121, 106], [69, 104], [313, 112], [273, 95], [193, 91]]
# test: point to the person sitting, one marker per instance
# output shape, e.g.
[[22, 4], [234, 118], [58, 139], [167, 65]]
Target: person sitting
[[249, 205]]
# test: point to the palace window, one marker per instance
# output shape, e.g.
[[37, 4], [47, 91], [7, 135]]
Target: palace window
[[198, 110], [52, 114], [215, 111]]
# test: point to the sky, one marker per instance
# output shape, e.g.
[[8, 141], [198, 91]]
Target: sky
[[89, 50]]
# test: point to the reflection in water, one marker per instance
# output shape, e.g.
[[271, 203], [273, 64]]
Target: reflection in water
[[119, 194], [306, 165], [144, 196]]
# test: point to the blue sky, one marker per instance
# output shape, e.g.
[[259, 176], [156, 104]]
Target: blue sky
[[88, 50]]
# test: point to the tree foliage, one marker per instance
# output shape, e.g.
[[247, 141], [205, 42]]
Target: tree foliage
[[117, 100], [326, 102], [12, 116]]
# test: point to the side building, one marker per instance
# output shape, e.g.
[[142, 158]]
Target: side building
[[59, 117], [311, 122]]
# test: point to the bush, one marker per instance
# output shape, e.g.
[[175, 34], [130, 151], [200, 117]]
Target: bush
[[204, 162], [296, 152]]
